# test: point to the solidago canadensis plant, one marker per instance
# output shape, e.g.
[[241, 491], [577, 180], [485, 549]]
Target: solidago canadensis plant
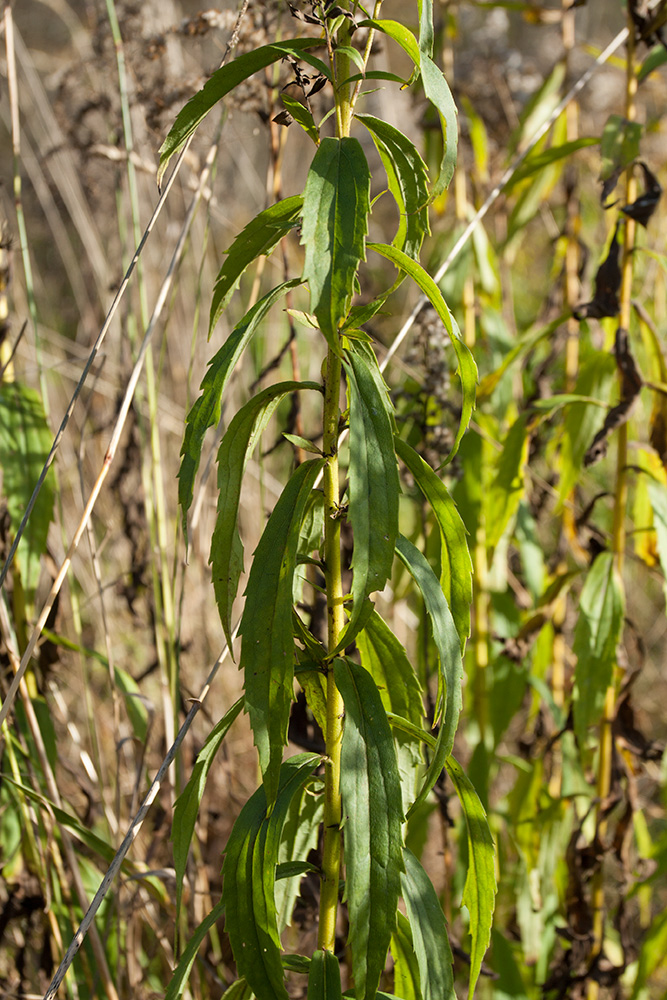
[[381, 761]]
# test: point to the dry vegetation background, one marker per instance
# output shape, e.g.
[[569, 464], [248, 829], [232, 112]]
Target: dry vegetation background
[[132, 602]]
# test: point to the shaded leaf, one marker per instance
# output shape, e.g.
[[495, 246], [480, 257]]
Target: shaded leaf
[[299, 837], [406, 967], [438, 93], [25, 442], [467, 369], [336, 202], [267, 649], [260, 236], [373, 817], [186, 807], [180, 975], [429, 931], [456, 564], [374, 484], [537, 161], [207, 408], [631, 383], [238, 443], [225, 80], [408, 182], [479, 892], [249, 880], [508, 484], [324, 977], [607, 286], [448, 645], [597, 634], [619, 148]]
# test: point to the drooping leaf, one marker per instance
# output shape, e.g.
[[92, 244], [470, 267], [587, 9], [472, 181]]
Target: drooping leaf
[[180, 975], [186, 807], [260, 236], [438, 93], [429, 931], [238, 443], [631, 384], [508, 483], [301, 116], [425, 8], [267, 649], [388, 664], [642, 209], [372, 817], [537, 161], [408, 182], [596, 636], [206, 410], [449, 653], [607, 286], [406, 967], [456, 564], [479, 892], [249, 881], [399, 33], [467, 369], [25, 442], [374, 484], [619, 148], [225, 80], [299, 837], [336, 203], [324, 977]]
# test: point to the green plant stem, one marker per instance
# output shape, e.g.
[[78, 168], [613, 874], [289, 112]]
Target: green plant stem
[[335, 622]]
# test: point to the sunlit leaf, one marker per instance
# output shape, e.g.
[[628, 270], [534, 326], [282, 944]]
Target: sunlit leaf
[[336, 202], [301, 116], [479, 892], [267, 649], [372, 818]]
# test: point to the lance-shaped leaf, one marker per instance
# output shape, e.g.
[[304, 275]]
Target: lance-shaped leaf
[[408, 182], [260, 236], [373, 816], [187, 804], [448, 645], [324, 977], [249, 878], [336, 202], [299, 837], [267, 649], [455, 561], [429, 931], [374, 482], [406, 967], [237, 445], [25, 442], [467, 369], [302, 116], [225, 80], [596, 637], [508, 484], [388, 664], [479, 892], [425, 8], [206, 410], [180, 975]]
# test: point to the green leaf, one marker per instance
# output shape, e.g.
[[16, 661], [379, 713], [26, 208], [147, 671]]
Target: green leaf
[[544, 158], [181, 973], [399, 33], [508, 484], [25, 442], [406, 967], [549, 403], [299, 837], [425, 8], [372, 817], [260, 236], [237, 445], [429, 931], [581, 420], [336, 203], [135, 704], [456, 564], [652, 955], [302, 117], [186, 807], [385, 659], [239, 990], [619, 146], [225, 80], [449, 652], [656, 57], [303, 443], [596, 636], [408, 182], [206, 410], [479, 892], [267, 649], [324, 977], [249, 881], [658, 496], [374, 483], [467, 369], [438, 93]]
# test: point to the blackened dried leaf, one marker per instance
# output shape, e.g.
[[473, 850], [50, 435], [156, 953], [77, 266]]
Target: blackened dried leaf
[[630, 386], [643, 208], [283, 118], [308, 18], [608, 186], [319, 82], [607, 286], [648, 23]]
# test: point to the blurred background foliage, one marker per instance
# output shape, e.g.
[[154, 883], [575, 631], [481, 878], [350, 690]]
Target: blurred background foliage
[[563, 730]]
